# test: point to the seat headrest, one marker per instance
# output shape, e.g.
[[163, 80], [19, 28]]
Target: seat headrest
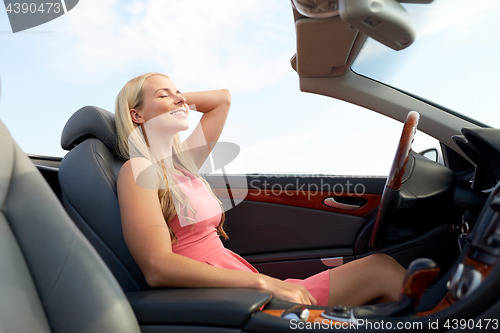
[[90, 122]]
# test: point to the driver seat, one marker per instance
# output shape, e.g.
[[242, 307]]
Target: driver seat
[[87, 175], [51, 279]]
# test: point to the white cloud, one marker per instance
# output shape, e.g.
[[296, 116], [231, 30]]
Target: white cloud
[[198, 43], [459, 16]]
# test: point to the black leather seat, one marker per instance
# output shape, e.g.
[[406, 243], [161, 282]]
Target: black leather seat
[[87, 175], [51, 279]]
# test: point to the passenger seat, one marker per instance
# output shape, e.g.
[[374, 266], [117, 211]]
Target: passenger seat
[[51, 279]]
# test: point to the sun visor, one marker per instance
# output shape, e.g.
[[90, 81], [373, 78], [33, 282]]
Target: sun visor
[[322, 44]]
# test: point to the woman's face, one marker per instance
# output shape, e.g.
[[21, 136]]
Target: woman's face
[[163, 106]]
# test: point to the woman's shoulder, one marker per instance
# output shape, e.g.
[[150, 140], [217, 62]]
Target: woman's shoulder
[[133, 167], [140, 171]]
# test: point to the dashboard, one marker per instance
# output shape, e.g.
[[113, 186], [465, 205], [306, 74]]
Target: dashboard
[[482, 146], [480, 261], [482, 253]]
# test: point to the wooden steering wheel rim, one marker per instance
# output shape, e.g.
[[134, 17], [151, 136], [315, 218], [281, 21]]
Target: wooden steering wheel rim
[[394, 180], [395, 177]]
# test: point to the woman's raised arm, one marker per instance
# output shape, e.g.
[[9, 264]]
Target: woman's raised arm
[[148, 239], [214, 104]]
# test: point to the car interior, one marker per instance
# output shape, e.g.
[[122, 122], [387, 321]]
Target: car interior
[[65, 267]]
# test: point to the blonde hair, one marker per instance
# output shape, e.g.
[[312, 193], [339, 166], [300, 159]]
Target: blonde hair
[[132, 142]]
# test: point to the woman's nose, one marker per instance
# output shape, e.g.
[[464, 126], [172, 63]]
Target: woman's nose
[[180, 99]]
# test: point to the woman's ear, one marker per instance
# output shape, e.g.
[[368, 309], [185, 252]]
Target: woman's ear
[[136, 116]]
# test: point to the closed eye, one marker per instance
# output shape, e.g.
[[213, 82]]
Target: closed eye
[[167, 90]]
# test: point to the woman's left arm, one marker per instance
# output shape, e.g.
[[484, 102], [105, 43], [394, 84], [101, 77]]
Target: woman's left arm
[[214, 104]]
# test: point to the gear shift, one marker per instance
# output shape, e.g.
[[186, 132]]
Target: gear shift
[[419, 275]]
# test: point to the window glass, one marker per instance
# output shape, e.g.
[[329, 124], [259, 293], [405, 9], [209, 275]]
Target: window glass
[[453, 61]]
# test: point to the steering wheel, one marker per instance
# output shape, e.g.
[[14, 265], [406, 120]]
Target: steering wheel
[[390, 196]]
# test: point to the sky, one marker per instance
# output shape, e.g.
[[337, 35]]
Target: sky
[[453, 61], [85, 56]]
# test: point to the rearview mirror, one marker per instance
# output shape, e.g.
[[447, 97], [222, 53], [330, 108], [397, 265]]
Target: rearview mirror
[[386, 21]]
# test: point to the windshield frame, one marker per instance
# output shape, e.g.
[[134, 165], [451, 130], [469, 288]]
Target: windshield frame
[[436, 105]]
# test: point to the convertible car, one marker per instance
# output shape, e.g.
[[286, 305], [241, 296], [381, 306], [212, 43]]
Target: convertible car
[[65, 267]]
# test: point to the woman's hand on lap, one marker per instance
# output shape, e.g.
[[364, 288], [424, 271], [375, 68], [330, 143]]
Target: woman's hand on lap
[[287, 291]]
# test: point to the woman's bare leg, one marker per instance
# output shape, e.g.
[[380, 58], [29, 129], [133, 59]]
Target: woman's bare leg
[[376, 277]]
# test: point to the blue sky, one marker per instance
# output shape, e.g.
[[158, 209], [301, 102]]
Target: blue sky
[[85, 57]]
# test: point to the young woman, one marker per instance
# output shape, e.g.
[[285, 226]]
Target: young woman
[[172, 221]]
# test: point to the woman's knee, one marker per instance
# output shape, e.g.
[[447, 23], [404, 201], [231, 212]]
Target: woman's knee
[[388, 267], [390, 273], [380, 260]]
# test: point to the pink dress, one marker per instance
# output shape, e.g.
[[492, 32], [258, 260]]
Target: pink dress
[[201, 242]]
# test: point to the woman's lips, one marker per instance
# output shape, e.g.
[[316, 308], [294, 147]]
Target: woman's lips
[[179, 112]]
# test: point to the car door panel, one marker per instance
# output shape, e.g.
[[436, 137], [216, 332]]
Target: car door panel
[[259, 227], [287, 233]]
